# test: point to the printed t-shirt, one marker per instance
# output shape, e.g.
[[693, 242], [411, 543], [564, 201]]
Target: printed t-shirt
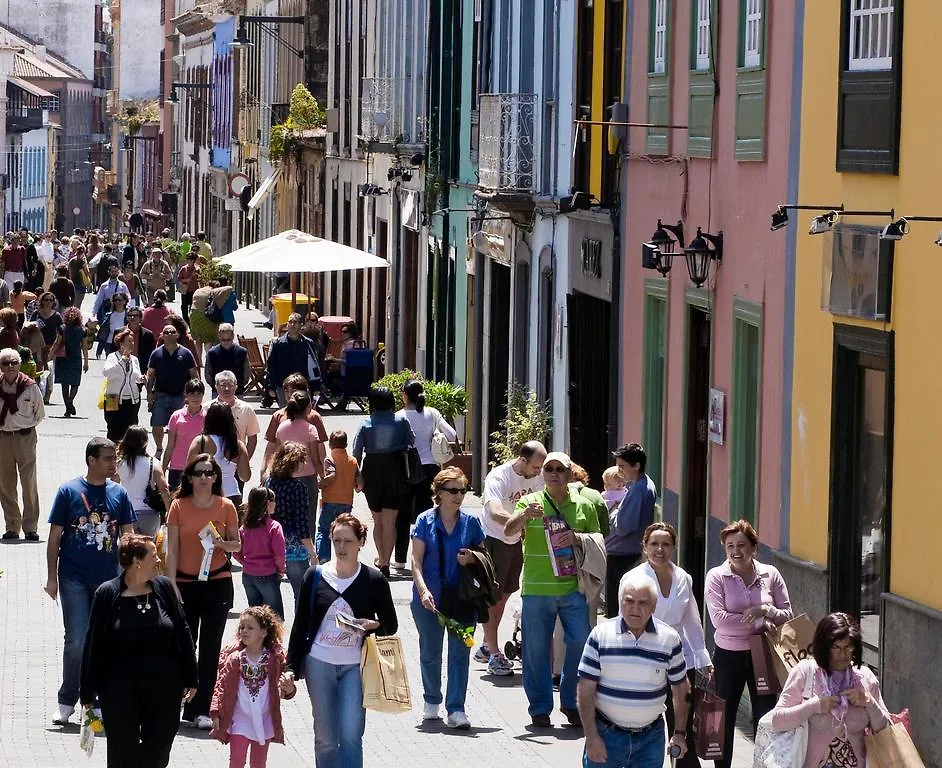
[[504, 485], [299, 431], [191, 519], [91, 517], [333, 644], [188, 426], [538, 579]]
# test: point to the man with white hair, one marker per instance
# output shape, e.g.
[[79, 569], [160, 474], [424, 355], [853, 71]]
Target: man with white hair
[[626, 666], [245, 419], [21, 410]]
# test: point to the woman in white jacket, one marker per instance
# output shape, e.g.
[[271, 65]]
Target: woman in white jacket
[[123, 381], [677, 607]]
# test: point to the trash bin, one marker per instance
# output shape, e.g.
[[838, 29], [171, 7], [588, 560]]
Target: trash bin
[[282, 305]]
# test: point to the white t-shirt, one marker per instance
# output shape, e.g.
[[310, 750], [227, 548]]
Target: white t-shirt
[[136, 482], [333, 644], [507, 487], [424, 425]]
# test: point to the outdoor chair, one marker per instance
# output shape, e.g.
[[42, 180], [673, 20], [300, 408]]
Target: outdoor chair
[[355, 382], [256, 363]]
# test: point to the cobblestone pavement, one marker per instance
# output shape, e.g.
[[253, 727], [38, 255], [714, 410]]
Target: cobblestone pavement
[[31, 639]]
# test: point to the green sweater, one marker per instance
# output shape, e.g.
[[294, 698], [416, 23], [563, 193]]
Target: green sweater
[[538, 579]]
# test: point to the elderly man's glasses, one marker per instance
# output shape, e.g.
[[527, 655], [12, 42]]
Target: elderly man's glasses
[[8, 363]]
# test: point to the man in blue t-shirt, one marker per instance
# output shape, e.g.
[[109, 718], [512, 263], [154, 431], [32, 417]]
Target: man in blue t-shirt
[[88, 517]]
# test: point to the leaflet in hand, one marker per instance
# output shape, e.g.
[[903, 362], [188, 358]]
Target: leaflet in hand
[[208, 536], [346, 621], [562, 558]]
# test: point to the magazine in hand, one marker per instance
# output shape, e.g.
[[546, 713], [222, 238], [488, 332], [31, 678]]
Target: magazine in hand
[[562, 558], [345, 621]]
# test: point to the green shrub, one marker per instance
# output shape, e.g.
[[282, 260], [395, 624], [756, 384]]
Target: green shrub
[[527, 418], [449, 399]]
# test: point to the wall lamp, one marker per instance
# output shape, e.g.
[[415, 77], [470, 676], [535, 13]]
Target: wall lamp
[[577, 201], [241, 39], [659, 252], [370, 190], [895, 230], [699, 254], [175, 99]]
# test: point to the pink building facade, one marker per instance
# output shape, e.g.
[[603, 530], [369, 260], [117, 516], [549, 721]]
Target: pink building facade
[[706, 370]]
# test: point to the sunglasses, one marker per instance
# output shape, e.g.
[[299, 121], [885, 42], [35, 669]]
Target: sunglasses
[[8, 364], [170, 333], [557, 470], [203, 473], [454, 491]]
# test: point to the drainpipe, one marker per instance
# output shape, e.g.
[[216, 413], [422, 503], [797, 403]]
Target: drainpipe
[[394, 336], [478, 438]]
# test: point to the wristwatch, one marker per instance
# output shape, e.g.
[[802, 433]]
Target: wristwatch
[[682, 734]]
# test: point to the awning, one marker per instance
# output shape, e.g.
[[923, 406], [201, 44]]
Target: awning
[[152, 213], [29, 87], [266, 188], [294, 251]]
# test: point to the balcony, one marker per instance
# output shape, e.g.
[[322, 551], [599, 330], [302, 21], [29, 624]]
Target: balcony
[[24, 120], [506, 143], [379, 110]]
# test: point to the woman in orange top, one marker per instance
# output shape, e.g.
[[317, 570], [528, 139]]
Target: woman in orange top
[[206, 600]]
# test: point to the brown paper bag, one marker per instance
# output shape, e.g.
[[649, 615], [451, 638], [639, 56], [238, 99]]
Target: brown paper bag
[[791, 643], [763, 668], [383, 673], [892, 748], [709, 718]]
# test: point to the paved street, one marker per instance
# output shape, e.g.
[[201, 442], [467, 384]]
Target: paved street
[[31, 637]]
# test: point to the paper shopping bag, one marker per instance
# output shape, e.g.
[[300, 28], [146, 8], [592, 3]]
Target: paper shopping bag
[[791, 643], [892, 748], [709, 720], [763, 668], [383, 672]]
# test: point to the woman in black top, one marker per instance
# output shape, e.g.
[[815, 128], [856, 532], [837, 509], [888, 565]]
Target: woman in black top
[[328, 655], [138, 659]]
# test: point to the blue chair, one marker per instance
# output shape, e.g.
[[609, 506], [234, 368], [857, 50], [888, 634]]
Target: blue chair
[[356, 382]]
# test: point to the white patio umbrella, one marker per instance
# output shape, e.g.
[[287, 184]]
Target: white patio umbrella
[[296, 251]]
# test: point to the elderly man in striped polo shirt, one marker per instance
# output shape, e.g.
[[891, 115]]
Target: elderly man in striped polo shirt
[[626, 667]]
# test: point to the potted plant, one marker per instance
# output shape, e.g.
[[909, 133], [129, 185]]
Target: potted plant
[[528, 418]]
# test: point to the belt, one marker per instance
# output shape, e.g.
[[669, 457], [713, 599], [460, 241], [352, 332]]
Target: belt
[[27, 431], [602, 718]]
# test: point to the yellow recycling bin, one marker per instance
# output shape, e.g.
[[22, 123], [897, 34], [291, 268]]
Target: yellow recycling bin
[[282, 305]]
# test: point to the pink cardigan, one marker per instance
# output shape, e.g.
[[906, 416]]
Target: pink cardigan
[[792, 710], [728, 597], [226, 690]]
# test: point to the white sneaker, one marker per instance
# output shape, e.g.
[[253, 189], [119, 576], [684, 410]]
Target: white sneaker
[[483, 654], [499, 665], [204, 723], [431, 712], [64, 716], [458, 720]]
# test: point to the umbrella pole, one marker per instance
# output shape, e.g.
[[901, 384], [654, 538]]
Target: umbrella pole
[[294, 291]]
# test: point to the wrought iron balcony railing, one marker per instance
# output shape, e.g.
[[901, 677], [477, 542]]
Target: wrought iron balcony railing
[[506, 143], [378, 110]]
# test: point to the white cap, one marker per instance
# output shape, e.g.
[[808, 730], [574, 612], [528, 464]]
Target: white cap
[[559, 456]]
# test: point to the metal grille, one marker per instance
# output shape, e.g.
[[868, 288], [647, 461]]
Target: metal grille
[[871, 35], [506, 146], [379, 120]]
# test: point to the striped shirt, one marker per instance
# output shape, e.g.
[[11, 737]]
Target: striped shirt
[[632, 673]]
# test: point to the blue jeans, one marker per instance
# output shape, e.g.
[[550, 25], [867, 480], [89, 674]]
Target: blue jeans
[[336, 695], [537, 620], [264, 590], [295, 573], [638, 750], [76, 599], [329, 513], [430, 659]]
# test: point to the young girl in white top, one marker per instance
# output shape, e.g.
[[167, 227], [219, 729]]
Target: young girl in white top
[[136, 470], [676, 606], [220, 439], [246, 705]]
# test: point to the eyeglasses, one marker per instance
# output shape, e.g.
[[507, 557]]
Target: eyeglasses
[[557, 470], [169, 333], [203, 473], [8, 363], [454, 491]]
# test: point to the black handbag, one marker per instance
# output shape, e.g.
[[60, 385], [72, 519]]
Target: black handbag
[[415, 472], [152, 497]]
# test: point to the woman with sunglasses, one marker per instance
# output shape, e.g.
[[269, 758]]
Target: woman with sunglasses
[[198, 514], [441, 543], [123, 381]]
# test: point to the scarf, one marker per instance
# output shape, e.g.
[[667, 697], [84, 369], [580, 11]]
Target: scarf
[[835, 683], [10, 399]]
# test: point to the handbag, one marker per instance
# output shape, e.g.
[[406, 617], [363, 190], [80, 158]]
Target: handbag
[[763, 670], [152, 497], [383, 675], [709, 720], [892, 748], [442, 451], [415, 473], [213, 311], [783, 749], [791, 644], [58, 347]]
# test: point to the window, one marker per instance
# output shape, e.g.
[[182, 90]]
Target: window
[[871, 35], [703, 36], [752, 44], [745, 412], [659, 49], [655, 369]]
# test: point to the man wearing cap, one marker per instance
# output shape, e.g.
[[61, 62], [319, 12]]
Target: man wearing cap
[[155, 273], [548, 596]]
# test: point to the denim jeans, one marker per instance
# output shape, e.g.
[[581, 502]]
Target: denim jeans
[[537, 619], [295, 573], [76, 599], [336, 695], [264, 590], [638, 750], [430, 659], [329, 513]]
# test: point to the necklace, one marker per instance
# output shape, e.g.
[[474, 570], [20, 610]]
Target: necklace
[[143, 607]]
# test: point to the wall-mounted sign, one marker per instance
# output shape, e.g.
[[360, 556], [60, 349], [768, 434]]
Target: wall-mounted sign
[[717, 423]]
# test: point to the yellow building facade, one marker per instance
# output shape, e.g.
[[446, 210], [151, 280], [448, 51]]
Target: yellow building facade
[[864, 534]]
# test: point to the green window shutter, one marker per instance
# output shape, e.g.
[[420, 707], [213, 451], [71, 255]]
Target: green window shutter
[[655, 371], [702, 91], [751, 88], [745, 411], [659, 93]]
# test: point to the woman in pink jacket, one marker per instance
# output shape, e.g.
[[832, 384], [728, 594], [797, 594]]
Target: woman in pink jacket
[[744, 597], [845, 697]]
